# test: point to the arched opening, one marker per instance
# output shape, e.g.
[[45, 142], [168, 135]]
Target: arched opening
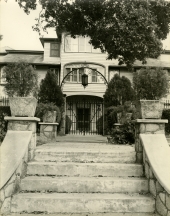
[[84, 115]]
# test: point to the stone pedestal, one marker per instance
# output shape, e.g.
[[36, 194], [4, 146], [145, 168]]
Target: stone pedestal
[[24, 124], [48, 132], [147, 126]]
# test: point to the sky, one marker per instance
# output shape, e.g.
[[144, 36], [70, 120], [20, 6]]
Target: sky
[[16, 28]]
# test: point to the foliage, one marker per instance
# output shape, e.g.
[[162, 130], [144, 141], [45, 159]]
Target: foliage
[[118, 91], [68, 124], [122, 110], [21, 79], [4, 111], [123, 134], [50, 91], [151, 83], [166, 115], [125, 29], [42, 108]]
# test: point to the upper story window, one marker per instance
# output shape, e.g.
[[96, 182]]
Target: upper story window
[[55, 50], [76, 75], [79, 44]]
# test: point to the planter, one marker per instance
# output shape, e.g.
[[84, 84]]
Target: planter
[[128, 116], [151, 109], [50, 117], [23, 106]]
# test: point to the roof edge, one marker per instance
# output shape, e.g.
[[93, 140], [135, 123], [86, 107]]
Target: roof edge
[[48, 40], [25, 51]]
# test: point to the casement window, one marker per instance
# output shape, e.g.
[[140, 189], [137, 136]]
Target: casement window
[[54, 50], [79, 44], [94, 76], [76, 75]]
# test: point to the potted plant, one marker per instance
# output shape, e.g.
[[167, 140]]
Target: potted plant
[[21, 87], [150, 85], [48, 112]]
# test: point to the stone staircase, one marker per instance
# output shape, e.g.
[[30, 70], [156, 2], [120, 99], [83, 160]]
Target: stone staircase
[[84, 178]]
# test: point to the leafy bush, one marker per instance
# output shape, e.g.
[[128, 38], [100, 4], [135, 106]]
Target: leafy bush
[[50, 91], [119, 90], [166, 115], [124, 134], [113, 111], [21, 79], [4, 111], [43, 108], [151, 83]]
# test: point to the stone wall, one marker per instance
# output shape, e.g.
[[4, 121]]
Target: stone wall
[[13, 185], [147, 127], [161, 196], [25, 125]]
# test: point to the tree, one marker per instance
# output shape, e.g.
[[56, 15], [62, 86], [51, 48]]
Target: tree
[[151, 83], [118, 92], [21, 79], [50, 91], [126, 30]]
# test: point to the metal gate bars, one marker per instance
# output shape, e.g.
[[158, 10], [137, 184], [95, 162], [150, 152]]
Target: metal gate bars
[[84, 116]]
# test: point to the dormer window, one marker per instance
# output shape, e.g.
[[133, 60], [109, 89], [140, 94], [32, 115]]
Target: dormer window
[[54, 49]]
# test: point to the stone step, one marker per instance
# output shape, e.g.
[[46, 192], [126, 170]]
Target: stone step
[[81, 203], [84, 169], [95, 153], [89, 214], [84, 184]]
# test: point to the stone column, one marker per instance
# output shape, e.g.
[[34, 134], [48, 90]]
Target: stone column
[[147, 126], [24, 124]]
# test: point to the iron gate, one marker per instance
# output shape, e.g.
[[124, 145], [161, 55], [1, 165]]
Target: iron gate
[[84, 116]]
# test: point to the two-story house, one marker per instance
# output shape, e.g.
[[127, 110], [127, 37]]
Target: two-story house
[[70, 59]]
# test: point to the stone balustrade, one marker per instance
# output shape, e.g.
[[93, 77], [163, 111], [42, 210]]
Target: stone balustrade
[[153, 150], [16, 151]]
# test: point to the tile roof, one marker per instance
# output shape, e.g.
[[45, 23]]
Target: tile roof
[[153, 63], [31, 58]]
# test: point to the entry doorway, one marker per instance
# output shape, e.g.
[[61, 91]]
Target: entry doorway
[[83, 119], [84, 115]]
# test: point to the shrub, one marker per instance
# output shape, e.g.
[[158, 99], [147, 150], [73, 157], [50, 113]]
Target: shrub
[[124, 134], [4, 111], [119, 90], [151, 83], [50, 91], [43, 108], [166, 115], [21, 79], [113, 111]]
